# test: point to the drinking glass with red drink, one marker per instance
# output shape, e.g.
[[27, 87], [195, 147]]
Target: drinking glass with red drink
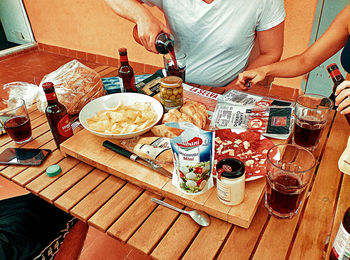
[[289, 171], [311, 115], [175, 65], [16, 121]]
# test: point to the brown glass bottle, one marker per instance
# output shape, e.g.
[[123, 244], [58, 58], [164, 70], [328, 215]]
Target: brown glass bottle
[[126, 73], [56, 114], [341, 244], [337, 78]]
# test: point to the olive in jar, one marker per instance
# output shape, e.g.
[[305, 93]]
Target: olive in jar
[[171, 92]]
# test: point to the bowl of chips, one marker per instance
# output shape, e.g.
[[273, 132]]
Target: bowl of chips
[[121, 115]]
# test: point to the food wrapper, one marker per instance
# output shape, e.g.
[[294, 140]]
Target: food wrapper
[[239, 98], [75, 86], [24, 90], [193, 159], [271, 121]]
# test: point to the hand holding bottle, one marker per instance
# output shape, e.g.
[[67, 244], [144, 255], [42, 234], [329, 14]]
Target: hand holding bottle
[[147, 30], [342, 93]]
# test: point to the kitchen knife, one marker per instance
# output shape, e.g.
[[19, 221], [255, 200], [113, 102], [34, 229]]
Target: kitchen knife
[[136, 158]]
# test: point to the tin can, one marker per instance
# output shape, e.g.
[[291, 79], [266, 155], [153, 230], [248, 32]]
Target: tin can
[[171, 92]]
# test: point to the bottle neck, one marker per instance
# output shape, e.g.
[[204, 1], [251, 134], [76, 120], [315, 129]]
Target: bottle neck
[[51, 97], [124, 60]]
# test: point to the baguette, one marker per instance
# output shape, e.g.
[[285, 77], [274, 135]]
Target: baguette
[[166, 131], [155, 149]]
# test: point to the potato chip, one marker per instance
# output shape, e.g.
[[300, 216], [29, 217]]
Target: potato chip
[[123, 119]]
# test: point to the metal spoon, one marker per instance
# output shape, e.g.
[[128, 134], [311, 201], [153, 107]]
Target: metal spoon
[[200, 217]]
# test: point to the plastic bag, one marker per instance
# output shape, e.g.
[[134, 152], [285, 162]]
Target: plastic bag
[[24, 90], [75, 86], [193, 154]]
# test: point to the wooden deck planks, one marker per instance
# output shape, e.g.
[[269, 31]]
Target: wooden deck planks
[[43, 181], [209, 240], [97, 198], [70, 198], [319, 208], [164, 218], [115, 207], [133, 217], [246, 239], [177, 239]]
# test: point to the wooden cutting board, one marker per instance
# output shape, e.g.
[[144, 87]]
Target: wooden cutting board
[[88, 148]]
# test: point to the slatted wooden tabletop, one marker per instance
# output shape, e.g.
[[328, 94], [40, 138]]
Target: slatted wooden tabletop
[[125, 211]]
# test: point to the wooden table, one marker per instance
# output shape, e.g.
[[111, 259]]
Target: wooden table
[[125, 211]]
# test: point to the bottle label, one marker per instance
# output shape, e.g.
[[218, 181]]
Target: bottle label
[[64, 128], [51, 96], [224, 191], [334, 73], [341, 245]]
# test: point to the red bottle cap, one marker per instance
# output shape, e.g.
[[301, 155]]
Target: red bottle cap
[[47, 85], [122, 51], [332, 65]]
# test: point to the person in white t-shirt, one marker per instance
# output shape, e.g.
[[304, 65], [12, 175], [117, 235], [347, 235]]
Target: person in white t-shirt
[[216, 35]]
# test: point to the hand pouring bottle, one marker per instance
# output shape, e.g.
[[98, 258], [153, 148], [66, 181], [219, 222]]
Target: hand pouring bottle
[[164, 42]]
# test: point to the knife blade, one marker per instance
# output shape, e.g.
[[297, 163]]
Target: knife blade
[[136, 158]]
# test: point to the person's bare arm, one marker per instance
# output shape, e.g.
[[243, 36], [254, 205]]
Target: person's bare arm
[[270, 46], [270, 49], [147, 24], [326, 46]]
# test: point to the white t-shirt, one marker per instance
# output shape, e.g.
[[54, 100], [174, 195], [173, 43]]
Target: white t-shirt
[[218, 37]]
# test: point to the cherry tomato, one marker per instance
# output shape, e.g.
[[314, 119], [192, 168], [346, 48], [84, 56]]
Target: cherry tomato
[[181, 174], [198, 170], [199, 182]]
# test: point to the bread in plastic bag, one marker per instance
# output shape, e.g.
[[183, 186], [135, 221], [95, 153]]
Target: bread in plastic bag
[[75, 86]]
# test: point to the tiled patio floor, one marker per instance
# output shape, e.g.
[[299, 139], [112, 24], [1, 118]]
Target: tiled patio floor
[[31, 67]]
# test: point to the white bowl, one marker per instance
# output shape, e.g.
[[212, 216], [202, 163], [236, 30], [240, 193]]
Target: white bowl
[[109, 102]]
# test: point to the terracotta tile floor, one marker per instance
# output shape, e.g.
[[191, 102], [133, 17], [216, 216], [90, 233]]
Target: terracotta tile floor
[[31, 67]]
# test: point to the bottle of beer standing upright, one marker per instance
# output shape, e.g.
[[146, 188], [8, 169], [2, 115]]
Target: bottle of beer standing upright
[[341, 244], [57, 116], [126, 73], [337, 78]]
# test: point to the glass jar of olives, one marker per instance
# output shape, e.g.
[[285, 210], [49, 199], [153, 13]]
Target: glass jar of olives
[[171, 92]]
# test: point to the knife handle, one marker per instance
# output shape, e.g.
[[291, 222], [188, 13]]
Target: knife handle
[[117, 149]]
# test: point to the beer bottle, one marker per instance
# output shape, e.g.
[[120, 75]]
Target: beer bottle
[[126, 73], [56, 114], [164, 42], [337, 78], [341, 244]]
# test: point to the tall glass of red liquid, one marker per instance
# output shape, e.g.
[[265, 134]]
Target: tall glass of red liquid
[[289, 171], [15, 120], [175, 65], [311, 115]]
